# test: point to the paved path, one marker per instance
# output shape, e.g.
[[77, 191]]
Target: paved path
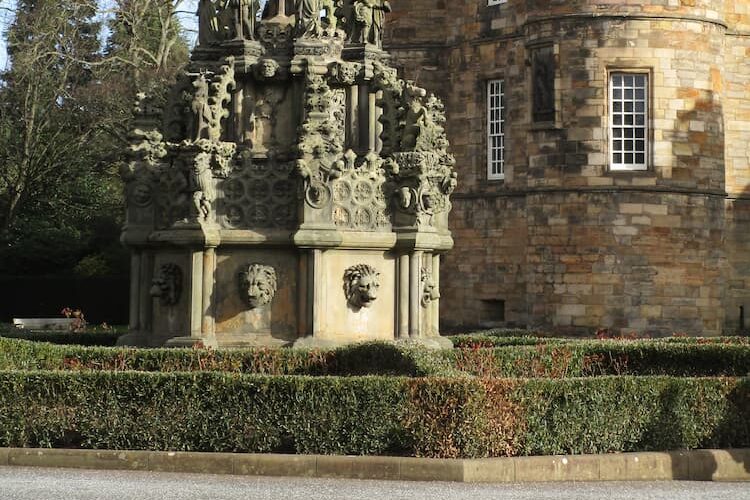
[[20, 483]]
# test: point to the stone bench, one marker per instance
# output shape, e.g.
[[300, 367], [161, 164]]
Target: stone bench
[[44, 323]]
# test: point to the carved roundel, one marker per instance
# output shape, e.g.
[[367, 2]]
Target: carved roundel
[[317, 194], [234, 190], [283, 215], [235, 216], [282, 190], [258, 214], [342, 191], [342, 216], [141, 194], [362, 217], [259, 190], [363, 192]]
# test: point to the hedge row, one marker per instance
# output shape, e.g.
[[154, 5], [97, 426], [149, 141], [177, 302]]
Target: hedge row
[[484, 340], [576, 359], [598, 357], [107, 339], [374, 358], [431, 417]]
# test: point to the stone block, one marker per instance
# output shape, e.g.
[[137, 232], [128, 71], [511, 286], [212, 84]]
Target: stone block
[[192, 462], [637, 467], [275, 465], [557, 468], [490, 470], [358, 467], [79, 459], [431, 469]]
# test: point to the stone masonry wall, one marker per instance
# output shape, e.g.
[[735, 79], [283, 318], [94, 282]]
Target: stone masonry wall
[[563, 242]]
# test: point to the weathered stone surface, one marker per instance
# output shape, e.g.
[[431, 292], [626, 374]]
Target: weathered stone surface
[[665, 249], [291, 188]]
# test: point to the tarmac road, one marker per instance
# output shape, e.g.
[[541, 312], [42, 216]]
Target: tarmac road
[[21, 483]]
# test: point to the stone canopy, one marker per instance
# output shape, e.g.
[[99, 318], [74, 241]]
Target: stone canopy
[[291, 189]]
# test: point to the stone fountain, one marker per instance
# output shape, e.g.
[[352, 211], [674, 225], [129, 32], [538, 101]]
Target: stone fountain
[[291, 189]]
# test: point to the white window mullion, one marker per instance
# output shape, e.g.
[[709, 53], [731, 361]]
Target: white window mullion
[[496, 129]]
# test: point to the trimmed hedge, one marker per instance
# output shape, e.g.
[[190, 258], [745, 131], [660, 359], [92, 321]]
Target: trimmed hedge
[[604, 357], [559, 360], [63, 338], [376, 358], [432, 417], [485, 340]]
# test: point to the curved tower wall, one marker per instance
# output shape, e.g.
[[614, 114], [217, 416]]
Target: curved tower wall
[[563, 241]]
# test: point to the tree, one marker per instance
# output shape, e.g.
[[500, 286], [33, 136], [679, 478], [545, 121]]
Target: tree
[[44, 130]]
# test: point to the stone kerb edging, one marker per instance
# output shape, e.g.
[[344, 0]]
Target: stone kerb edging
[[696, 465]]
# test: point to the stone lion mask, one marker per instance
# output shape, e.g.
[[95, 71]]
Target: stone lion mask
[[167, 285], [361, 283], [258, 285]]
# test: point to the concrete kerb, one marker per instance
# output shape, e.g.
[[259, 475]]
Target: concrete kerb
[[696, 465]]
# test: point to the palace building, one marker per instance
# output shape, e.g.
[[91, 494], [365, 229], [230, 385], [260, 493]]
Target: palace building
[[603, 151]]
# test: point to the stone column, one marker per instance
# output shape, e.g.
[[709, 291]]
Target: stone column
[[435, 304], [403, 296], [303, 313], [145, 310], [317, 292], [135, 300], [415, 267], [209, 269], [363, 121], [378, 125], [372, 123], [196, 293], [352, 117]]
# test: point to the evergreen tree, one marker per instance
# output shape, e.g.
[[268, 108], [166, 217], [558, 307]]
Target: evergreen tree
[[52, 182]]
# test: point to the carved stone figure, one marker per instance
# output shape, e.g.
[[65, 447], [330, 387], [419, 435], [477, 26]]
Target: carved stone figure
[[208, 23], [416, 118], [361, 284], [366, 19], [167, 285], [430, 290], [308, 18], [258, 285], [202, 187], [202, 111], [245, 13]]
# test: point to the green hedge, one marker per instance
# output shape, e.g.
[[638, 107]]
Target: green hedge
[[485, 340], [604, 357], [64, 338], [433, 417], [572, 359], [374, 358]]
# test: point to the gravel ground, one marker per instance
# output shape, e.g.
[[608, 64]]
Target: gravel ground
[[20, 483]]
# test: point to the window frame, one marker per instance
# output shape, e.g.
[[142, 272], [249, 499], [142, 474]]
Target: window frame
[[492, 173], [622, 126]]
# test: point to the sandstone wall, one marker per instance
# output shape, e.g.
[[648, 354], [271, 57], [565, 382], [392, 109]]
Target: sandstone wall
[[563, 241]]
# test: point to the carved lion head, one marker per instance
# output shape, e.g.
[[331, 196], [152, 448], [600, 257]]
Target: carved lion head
[[258, 285], [167, 284], [361, 283]]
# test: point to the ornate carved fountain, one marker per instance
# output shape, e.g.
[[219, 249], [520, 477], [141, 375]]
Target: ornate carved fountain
[[291, 190]]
